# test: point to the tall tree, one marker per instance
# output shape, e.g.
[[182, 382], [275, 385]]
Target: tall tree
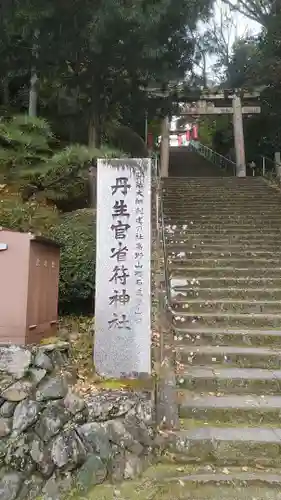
[[101, 51]]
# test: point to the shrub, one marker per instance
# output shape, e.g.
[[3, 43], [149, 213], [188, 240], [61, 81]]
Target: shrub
[[76, 234], [126, 139], [66, 182], [29, 216], [24, 146]]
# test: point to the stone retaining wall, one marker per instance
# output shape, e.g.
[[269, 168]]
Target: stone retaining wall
[[52, 440]]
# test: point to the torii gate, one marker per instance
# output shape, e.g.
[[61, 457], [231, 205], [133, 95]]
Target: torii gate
[[207, 104]]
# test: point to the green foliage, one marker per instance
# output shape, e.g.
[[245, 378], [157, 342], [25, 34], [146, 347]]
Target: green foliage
[[76, 234], [29, 216], [207, 127], [78, 330], [244, 63], [24, 146], [131, 43], [255, 63], [66, 182], [27, 161], [127, 140]]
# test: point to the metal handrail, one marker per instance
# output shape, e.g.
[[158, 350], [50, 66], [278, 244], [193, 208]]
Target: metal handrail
[[161, 223], [164, 249], [265, 162], [215, 158], [167, 414], [265, 167]]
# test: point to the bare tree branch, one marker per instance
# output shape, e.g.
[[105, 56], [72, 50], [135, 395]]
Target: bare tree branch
[[256, 10]]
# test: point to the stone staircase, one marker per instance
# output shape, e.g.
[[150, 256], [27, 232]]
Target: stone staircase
[[223, 240], [184, 162]]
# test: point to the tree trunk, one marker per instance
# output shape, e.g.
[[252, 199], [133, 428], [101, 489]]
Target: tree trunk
[[6, 92], [92, 186], [94, 131], [33, 94], [205, 83]]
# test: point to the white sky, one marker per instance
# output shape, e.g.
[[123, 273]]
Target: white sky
[[243, 25]]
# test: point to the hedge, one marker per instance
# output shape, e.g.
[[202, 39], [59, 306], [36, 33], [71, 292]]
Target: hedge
[[76, 234]]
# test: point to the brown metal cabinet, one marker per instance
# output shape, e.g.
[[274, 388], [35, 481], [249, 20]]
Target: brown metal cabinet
[[29, 277]]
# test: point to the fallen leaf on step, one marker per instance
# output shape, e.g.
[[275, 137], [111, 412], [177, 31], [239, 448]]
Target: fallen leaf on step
[[258, 466], [225, 471], [181, 482], [245, 469]]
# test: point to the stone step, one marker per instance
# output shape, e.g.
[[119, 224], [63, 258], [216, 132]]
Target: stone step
[[237, 205], [212, 208], [194, 188], [200, 205], [209, 210], [230, 380], [223, 446], [263, 188], [187, 283], [225, 247], [179, 251], [217, 486], [168, 481], [191, 222], [224, 184], [211, 193], [215, 180], [211, 473], [254, 241], [212, 198], [188, 217], [227, 337], [198, 208], [228, 237], [226, 272], [241, 409], [183, 231], [184, 294], [244, 357], [207, 188], [225, 262], [224, 213], [191, 186], [250, 232], [226, 319], [250, 228], [216, 183], [196, 192], [216, 306]]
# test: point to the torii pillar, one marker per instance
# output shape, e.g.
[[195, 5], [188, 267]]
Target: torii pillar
[[239, 136], [165, 147]]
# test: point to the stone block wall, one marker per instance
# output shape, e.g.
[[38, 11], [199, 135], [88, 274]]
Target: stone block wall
[[52, 440]]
